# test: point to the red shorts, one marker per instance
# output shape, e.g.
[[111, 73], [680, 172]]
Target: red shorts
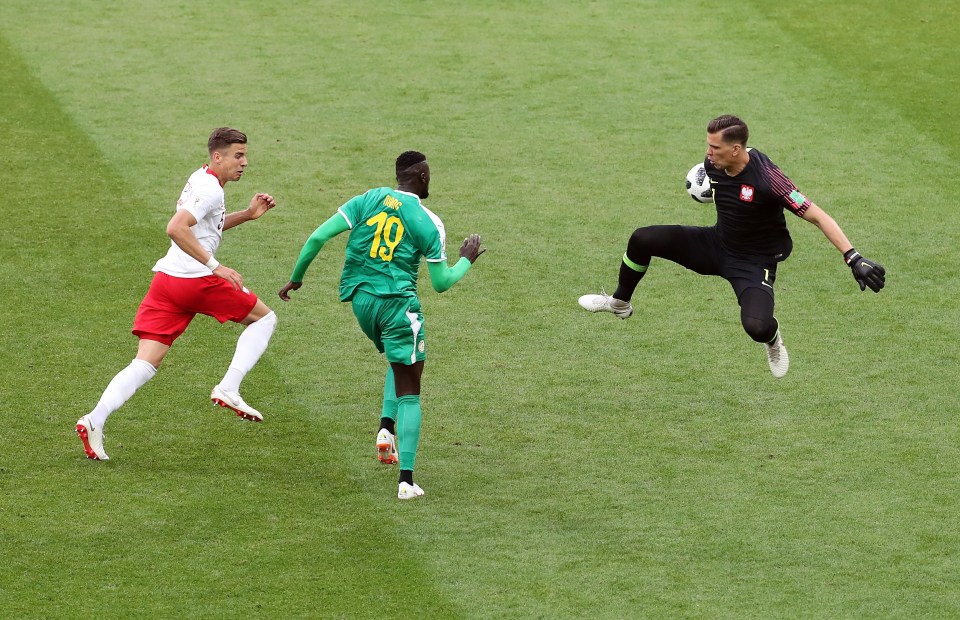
[[171, 303]]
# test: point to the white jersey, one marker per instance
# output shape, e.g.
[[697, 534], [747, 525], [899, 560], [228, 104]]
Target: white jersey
[[202, 196]]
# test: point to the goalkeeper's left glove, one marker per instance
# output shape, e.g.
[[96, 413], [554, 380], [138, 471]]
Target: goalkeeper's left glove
[[865, 272]]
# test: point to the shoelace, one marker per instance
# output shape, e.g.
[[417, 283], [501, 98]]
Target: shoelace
[[608, 300]]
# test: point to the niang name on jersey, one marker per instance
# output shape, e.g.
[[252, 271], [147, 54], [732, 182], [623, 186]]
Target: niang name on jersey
[[392, 202]]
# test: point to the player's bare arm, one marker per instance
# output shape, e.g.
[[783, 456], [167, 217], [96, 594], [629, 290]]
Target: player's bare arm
[[828, 226], [259, 204], [178, 229], [866, 272]]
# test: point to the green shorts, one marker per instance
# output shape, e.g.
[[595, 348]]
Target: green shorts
[[394, 324]]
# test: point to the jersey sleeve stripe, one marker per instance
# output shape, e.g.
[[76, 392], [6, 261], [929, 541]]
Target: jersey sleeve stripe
[[349, 223], [780, 183], [787, 190]]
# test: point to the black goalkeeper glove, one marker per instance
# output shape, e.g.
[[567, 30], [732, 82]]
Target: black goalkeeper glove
[[865, 272]]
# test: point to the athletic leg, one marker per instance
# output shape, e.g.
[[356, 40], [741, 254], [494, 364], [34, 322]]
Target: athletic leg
[[405, 348], [690, 246], [158, 323], [395, 326], [407, 378], [753, 283], [388, 415], [373, 315], [683, 245], [386, 434], [250, 346], [756, 315], [126, 382], [120, 389]]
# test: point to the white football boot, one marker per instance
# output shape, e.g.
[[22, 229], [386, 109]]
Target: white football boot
[[233, 402], [409, 491], [777, 356], [92, 438], [606, 303], [387, 448]]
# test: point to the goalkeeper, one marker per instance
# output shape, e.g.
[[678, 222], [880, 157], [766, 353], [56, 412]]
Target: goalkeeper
[[747, 243], [390, 230]]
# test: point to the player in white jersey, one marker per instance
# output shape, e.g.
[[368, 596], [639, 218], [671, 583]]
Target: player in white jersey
[[202, 196], [188, 281]]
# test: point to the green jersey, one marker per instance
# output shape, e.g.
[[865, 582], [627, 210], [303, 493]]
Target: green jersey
[[390, 231]]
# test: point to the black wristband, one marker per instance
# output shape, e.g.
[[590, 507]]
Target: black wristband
[[851, 255]]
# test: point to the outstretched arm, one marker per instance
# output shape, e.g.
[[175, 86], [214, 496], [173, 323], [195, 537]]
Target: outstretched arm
[[828, 226], [443, 277], [327, 231], [865, 272]]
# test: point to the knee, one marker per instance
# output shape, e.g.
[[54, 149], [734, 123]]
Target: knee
[[760, 330], [641, 237], [641, 242], [267, 320]]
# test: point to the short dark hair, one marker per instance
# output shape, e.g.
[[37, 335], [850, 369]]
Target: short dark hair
[[731, 128], [409, 158], [223, 137]]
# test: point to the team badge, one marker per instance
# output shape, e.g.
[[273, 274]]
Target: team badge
[[421, 346], [746, 193]]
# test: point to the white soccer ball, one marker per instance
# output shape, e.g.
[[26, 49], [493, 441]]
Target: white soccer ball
[[698, 184]]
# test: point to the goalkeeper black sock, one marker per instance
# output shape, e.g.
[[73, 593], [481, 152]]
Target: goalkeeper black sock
[[389, 424], [406, 475], [630, 275], [776, 332]]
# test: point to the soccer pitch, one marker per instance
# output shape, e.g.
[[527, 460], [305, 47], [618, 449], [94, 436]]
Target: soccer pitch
[[575, 465]]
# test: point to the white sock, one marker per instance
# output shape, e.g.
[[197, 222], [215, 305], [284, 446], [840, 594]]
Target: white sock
[[121, 388], [250, 346]]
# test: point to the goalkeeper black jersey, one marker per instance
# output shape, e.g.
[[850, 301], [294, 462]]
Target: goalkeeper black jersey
[[750, 206]]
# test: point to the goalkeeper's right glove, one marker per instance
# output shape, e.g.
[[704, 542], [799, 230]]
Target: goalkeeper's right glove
[[865, 272]]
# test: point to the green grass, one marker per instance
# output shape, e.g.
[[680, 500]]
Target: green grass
[[575, 465]]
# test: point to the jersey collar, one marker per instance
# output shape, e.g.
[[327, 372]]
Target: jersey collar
[[408, 194], [207, 169]]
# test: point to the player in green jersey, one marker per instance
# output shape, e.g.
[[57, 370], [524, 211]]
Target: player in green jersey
[[390, 231]]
